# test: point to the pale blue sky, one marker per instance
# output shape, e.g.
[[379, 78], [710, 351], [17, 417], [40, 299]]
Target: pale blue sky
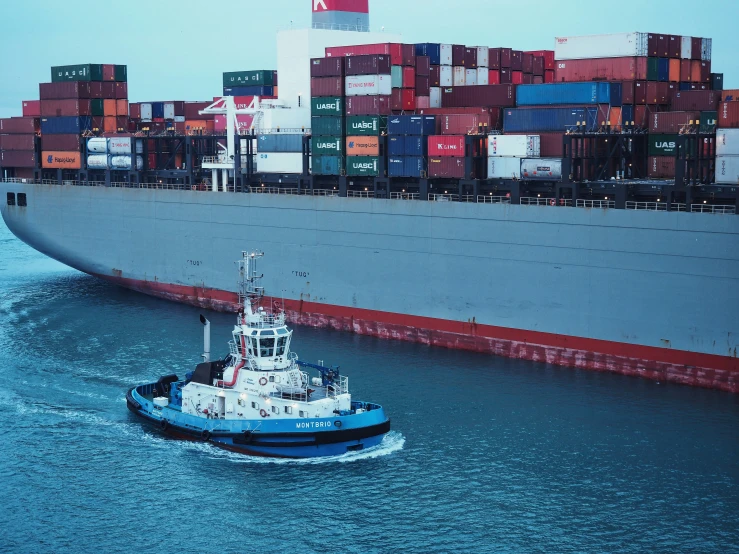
[[177, 49]]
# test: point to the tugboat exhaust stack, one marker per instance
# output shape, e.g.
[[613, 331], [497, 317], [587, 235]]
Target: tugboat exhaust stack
[[206, 338]]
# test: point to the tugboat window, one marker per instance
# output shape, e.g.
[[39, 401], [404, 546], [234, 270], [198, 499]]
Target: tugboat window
[[288, 409], [255, 405], [267, 347], [281, 344]]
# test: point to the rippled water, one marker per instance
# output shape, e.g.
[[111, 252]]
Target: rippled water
[[486, 455]]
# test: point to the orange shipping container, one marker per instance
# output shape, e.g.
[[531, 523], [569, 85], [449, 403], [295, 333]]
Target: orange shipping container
[[121, 107], [109, 123], [61, 160], [363, 146], [614, 118], [695, 71], [109, 107], [731, 95], [674, 71]]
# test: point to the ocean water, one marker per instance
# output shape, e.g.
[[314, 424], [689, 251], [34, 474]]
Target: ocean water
[[486, 454]]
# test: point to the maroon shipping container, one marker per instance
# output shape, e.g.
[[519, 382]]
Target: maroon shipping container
[[422, 85], [423, 65], [458, 54], [108, 72], [506, 76], [695, 48], [446, 167], [435, 75], [19, 125], [18, 158], [62, 91], [516, 60], [60, 143], [640, 92], [506, 55], [663, 46], [327, 67], [671, 122], [494, 58], [179, 108], [97, 122], [403, 54], [627, 92], [327, 86], [470, 58], [192, 109], [487, 96], [121, 91], [661, 166], [358, 50], [602, 69], [673, 46], [537, 65], [551, 144], [700, 100], [664, 93], [368, 65], [652, 48], [17, 142], [548, 56], [32, 108], [368, 105], [652, 92], [685, 71], [537, 80], [466, 124], [728, 115], [705, 72], [121, 123], [527, 78], [134, 110], [449, 111], [527, 63], [65, 108], [108, 89], [403, 99], [96, 89]]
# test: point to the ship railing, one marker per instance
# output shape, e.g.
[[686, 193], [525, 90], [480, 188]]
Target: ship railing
[[467, 198], [49, 182], [596, 203], [341, 27], [18, 180], [482, 199], [538, 201], [444, 197], [655, 206], [273, 190], [323, 192], [404, 196], [711, 209], [360, 194]]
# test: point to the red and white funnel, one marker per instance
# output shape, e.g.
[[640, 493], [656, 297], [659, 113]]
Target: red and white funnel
[[341, 15]]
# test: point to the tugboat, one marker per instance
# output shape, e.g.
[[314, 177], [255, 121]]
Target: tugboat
[[259, 400]]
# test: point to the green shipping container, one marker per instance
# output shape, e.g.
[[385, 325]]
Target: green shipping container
[[327, 125], [329, 145], [327, 105], [121, 73], [662, 145], [364, 166], [708, 122], [396, 76], [366, 125], [96, 106], [261, 78], [79, 72], [327, 165], [652, 69]]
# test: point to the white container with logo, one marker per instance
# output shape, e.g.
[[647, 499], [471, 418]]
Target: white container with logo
[[120, 146], [520, 146], [616, 45], [280, 162], [541, 169], [368, 85]]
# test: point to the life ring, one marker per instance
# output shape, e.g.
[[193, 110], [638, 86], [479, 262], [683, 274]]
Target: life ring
[[205, 434], [163, 423], [263, 381], [337, 423], [263, 412]]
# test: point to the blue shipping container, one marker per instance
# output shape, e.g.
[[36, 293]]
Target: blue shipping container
[[396, 166], [430, 49], [422, 125], [406, 166], [65, 125], [327, 165], [616, 94], [686, 86], [563, 93], [248, 91], [396, 145], [549, 119], [627, 114], [280, 142], [663, 70], [157, 109], [414, 146]]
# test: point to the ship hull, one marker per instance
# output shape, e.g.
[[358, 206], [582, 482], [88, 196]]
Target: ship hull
[[645, 294]]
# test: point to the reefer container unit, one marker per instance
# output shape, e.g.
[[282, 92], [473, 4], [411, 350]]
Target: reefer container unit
[[563, 93], [549, 169], [19, 125], [326, 86], [727, 142], [280, 142], [279, 162], [261, 78], [362, 166], [327, 67], [17, 142], [368, 85], [81, 72], [18, 158], [333, 106], [502, 167], [368, 105], [672, 122], [327, 165], [366, 125], [368, 65], [519, 146], [411, 125], [549, 119], [727, 170], [602, 69], [700, 100], [332, 146], [615, 45], [61, 143], [446, 145], [363, 145], [487, 96], [446, 168]]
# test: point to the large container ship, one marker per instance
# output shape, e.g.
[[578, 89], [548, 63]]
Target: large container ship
[[513, 212]]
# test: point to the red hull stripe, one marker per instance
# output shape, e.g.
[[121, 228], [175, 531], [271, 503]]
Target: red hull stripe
[[667, 364]]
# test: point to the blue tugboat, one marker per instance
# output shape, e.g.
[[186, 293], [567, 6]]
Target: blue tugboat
[[260, 400]]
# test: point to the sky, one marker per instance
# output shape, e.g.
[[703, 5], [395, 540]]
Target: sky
[[178, 49]]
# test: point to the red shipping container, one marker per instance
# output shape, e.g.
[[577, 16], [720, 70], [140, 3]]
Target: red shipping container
[[422, 101], [134, 111], [96, 89], [470, 58], [327, 86], [121, 91], [435, 76], [674, 46], [358, 50], [516, 60], [548, 56], [700, 100], [192, 109], [458, 54], [602, 69], [672, 122], [422, 86], [65, 108], [506, 55], [627, 92], [551, 144], [109, 108], [63, 91], [368, 65], [487, 96], [368, 105], [493, 77], [403, 54], [652, 92], [697, 72], [327, 67], [728, 115], [674, 70], [705, 72], [537, 65], [403, 99], [109, 124], [446, 145], [423, 65], [664, 93], [494, 58], [549, 76], [32, 108], [446, 167], [19, 126], [17, 142], [465, 124], [640, 92], [18, 158], [60, 143], [661, 167], [517, 77], [121, 108], [409, 77], [527, 62], [505, 76], [695, 48], [108, 72], [685, 76]]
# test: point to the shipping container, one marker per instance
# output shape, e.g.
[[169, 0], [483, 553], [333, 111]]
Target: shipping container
[[333, 106], [727, 142], [409, 77], [500, 167], [327, 165], [661, 167], [519, 146], [662, 145], [368, 105], [422, 86], [663, 70], [685, 71], [563, 93], [537, 66], [326, 86], [64, 143], [64, 108], [686, 50], [119, 146], [280, 142], [18, 158], [430, 50], [480, 95], [368, 65], [65, 125], [516, 60], [362, 145], [470, 57], [446, 167], [81, 72], [446, 145], [717, 82], [362, 166], [259, 78], [549, 76], [674, 70], [550, 119], [403, 54], [602, 69], [494, 58], [396, 145], [423, 66], [262, 91], [411, 125], [617, 45], [414, 145], [368, 85], [31, 108], [730, 95], [330, 145], [467, 124], [706, 46], [327, 67], [708, 121], [406, 166], [690, 100], [434, 97], [403, 99], [120, 91], [422, 101], [458, 54], [358, 50], [549, 169], [17, 142], [63, 91], [527, 63], [728, 115], [97, 145], [396, 76], [516, 77], [446, 75], [727, 170], [121, 73], [548, 55], [109, 108], [61, 160], [672, 122], [146, 111], [459, 73], [279, 162], [366, 125], [493, 77], [470, 77]]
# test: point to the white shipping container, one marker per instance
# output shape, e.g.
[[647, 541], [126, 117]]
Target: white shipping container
[[97, 161], [548, 169], [470, 77], [146, 111], [706, 46], [686, 48], [727, 142], [727, 170], [483, 54], [139, 146], [367, 85], [446, 76], [459, 76], [504, 168], [435, 97], [169, 111], [483, 76], [520, 146], [615, 45], [280, 162], [445, 57], [97, 146], [120, 145]]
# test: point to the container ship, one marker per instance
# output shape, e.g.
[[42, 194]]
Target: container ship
[[574, 206]]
